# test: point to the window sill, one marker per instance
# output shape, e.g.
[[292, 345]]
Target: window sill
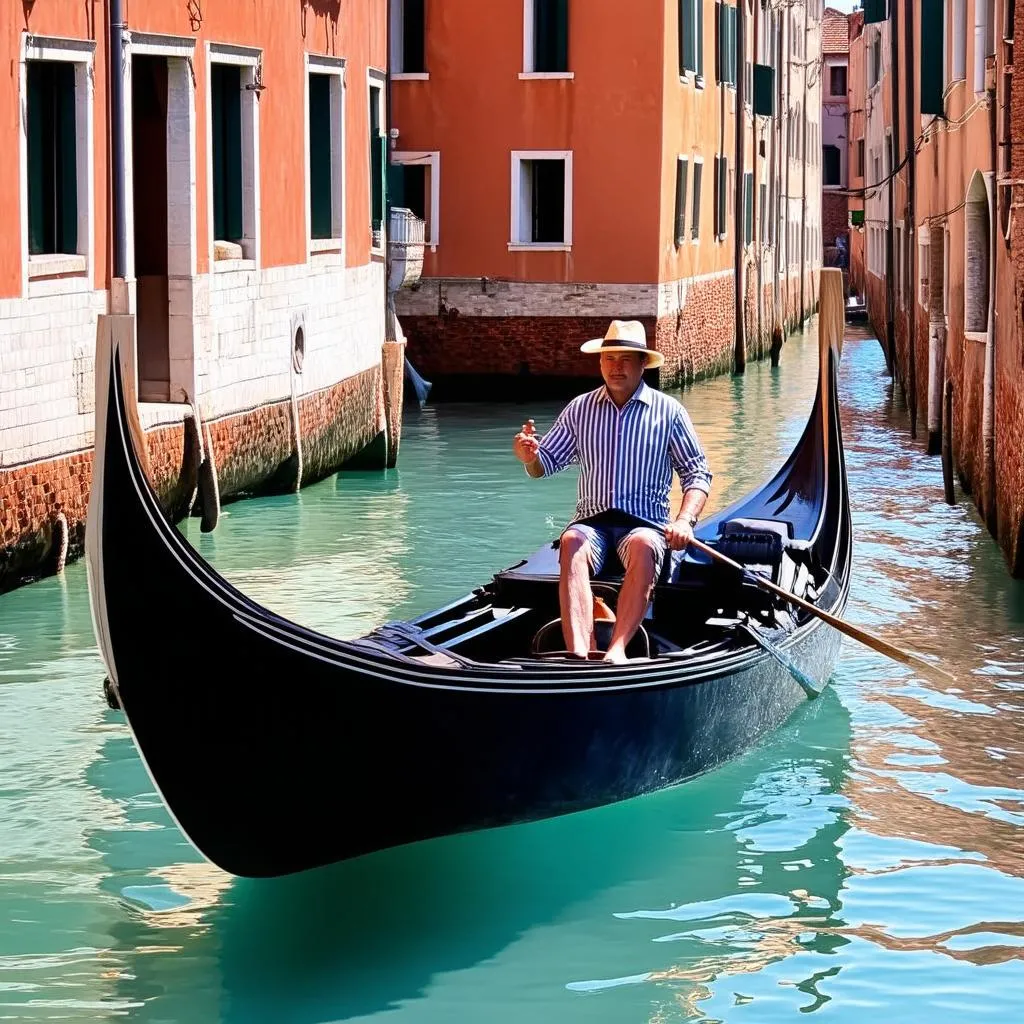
[[539, 247], [57, 265], [226, 266], [979, 337], [410, 76], [325, 247], [547, 75]]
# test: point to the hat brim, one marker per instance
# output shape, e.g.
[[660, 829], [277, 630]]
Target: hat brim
[[598, 345]]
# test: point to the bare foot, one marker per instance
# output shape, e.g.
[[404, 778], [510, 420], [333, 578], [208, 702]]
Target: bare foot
[[615, 655]]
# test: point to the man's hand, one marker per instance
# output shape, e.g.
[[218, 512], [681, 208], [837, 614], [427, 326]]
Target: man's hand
[[679, 534], [526, 443]]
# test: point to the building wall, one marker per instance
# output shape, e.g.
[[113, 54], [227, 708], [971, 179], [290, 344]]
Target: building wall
[[857, 86], [627, 123], [232, 322]]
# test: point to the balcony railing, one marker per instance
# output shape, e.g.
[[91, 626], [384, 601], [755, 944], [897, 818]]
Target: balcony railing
[[406, 234]]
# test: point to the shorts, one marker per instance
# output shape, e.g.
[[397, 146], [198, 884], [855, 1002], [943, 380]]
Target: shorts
[[613, 529]]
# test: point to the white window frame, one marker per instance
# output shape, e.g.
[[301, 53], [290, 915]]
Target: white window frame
[[249, 60], [529, 56], [377, 79], [431, 159], [333, 247], [397, 46], [515, 243], [924, 261], [76, 266]]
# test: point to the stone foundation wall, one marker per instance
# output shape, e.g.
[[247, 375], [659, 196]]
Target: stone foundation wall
[[253, 451], [834, 216]]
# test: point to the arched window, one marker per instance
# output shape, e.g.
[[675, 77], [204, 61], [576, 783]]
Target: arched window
[[976, 257]]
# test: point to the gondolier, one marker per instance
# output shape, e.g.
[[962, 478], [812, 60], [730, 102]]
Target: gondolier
[[627, 439]]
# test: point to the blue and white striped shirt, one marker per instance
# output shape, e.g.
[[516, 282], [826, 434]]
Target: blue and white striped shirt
[[626, 456]]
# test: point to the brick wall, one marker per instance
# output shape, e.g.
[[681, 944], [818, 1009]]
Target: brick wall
[[833, 216], [253, 451]]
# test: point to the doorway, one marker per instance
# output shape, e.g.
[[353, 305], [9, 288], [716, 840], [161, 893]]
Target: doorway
[[149, 79]]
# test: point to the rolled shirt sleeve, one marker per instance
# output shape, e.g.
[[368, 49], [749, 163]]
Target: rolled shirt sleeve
[[558, 446], [687, 455]]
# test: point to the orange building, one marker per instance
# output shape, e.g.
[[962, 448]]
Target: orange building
[[945, 254], [576, 163], [220, 187]]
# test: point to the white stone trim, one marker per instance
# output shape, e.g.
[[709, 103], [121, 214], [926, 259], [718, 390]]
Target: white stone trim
[[53, 264], [432, 159], [565, 76], [156, 45], [376, 79], [515, 225], [410, 76], [81, 53], [335, 67], [249, 59]]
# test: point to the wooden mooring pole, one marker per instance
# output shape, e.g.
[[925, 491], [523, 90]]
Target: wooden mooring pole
[[947, 444]]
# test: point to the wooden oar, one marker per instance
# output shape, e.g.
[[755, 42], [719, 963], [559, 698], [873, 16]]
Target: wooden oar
[[876, 643]]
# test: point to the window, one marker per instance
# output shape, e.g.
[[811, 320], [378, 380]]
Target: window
[[837, 80], [542, 199], [52, 158], [233, 151], [414, 182], [698, 172], [546, 37], [56, 198], [725, 24], [325, 86], [976, 257], [721, 191], [924, 258], [860, 158], [226, 125], [831, 162], [682, 173], [933, 47], [875, 60], [378, 165], [762, 209], [408, 38], [691, 37], [748, 208]]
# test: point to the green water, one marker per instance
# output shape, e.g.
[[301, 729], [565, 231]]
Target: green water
[[866, 858]]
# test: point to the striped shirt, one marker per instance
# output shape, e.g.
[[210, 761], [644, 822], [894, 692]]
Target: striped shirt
[[626, 456]]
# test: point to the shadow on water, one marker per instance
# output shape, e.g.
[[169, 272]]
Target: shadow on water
[[360, 937]]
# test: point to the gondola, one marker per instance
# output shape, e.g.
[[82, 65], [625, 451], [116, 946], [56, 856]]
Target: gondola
[[277, 749]]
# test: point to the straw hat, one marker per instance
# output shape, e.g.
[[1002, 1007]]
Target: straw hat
[[625, 336]]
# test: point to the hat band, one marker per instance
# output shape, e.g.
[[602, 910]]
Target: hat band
[[639, 346]]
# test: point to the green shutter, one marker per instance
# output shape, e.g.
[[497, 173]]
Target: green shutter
[[687, 43], [226, 97], [719, 43], [320, 171], [933, 34], [748, 208], [698, 170], [52, 158], [682, 169], [721, 188], [551, 35], [699, 38], [875, 11], [396, 185], [764, 90], [378, 170], [733, 62]]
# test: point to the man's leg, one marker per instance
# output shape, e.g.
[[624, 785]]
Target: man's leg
[[641, 552], [579, 552]]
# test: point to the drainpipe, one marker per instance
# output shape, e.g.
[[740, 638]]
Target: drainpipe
[[740, 218], [787, 154], [912, 249], [773, 189], [117, 146]]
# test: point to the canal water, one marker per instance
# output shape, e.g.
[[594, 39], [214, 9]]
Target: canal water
[[867, 857]]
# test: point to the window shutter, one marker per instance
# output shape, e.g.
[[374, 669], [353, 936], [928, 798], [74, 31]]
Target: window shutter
[[933, 33], [67, 164], [748, 208], [733, 62], [682, 168], [698, 170], [764, 90], [687, 42], [719, 43], [226, 86], [721, 195], [320, 156], [875, 11], [396, 185], [378, 155], [699, 37], [38, 115]]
